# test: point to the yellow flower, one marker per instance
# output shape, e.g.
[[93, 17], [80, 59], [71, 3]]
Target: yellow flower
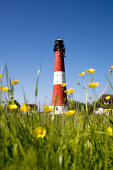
[[63, 85], [109, 131], [13, 106], [25, 108], [70, 91], [1, 76], [40, 132], [81, 74], [70, 112], [90, 71], [47, 108], [5, 89], [111, 67], [107, 97], [15, 82], [93, 85]]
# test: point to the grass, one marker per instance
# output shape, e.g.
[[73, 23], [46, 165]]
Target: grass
[[80, 141], [70, 142]]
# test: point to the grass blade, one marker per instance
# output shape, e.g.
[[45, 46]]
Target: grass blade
[[36, 90]]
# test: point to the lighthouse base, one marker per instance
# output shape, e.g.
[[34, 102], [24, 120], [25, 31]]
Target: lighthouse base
[[60, 109]]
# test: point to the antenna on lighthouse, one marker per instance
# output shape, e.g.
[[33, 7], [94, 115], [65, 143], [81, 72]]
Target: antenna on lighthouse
[[59, 98]]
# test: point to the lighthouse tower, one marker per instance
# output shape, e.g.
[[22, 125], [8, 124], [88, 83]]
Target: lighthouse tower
[[59, 98]]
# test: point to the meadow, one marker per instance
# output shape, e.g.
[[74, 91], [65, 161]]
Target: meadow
[[41, 140]]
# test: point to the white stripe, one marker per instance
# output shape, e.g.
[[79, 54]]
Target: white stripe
[[59, 77]]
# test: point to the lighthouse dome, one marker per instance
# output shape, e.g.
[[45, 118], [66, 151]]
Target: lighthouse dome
[[59, 45]]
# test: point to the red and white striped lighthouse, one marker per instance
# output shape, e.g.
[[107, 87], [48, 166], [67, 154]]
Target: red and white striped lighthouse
[[59, 98]]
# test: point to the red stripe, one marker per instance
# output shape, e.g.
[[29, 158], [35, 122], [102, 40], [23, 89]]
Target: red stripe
[[59, 62], [59, 95]]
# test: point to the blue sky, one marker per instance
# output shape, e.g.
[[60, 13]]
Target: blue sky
[[28, 29]]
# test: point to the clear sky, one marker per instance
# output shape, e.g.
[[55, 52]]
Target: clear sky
[[28, 29]]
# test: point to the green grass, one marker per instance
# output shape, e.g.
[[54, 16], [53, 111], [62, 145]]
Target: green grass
[[71, 142], [74, 142]]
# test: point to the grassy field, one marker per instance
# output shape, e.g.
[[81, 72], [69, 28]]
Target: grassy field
[[71, 142], [40, 140]]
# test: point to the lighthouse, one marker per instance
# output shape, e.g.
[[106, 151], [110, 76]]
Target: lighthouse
[[59, 98]]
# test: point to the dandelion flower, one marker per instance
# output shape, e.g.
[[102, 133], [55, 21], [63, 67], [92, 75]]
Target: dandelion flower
[[15, 82], [5, 89], [63, 85], [47, 108], [93, 85], [107, 97], [109, 131], [90, 71], [111, 67], [81, 74], [13, 106], [1, 76], [40, 132], [25, 108], [70, 91], [70, 112]]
